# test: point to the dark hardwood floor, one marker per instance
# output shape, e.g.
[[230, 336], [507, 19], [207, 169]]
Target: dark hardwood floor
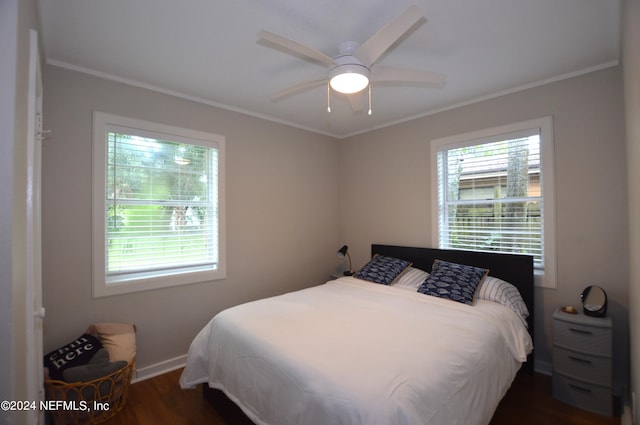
[[160, 400], [529, 402]]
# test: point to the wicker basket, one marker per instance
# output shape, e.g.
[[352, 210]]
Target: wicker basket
[[90, 402]]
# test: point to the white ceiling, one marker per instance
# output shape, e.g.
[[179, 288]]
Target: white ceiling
[[207, 50]]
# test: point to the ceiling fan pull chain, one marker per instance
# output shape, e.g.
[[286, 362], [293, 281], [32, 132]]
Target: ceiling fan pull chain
[[328, 97], [369, 98]]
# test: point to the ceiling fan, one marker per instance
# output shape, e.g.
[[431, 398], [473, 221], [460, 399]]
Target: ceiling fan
[[352, 69]]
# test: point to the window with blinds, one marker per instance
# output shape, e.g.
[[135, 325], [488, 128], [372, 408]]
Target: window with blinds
[[491, 195], [161, 205]]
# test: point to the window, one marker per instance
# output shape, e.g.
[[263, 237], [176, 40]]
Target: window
[[495, 192], [158, 203]]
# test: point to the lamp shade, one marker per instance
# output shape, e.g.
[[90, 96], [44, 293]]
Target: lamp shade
[[342, 253], [349, 78]]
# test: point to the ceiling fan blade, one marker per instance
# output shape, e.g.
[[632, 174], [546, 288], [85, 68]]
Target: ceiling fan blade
[[371, 50], [295, 47], [356, 101], [297, 88], [393, 74]]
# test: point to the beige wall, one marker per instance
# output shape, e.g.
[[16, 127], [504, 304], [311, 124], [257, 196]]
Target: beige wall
[[386, 190], [631, 63], [293, 196], [282, 195]]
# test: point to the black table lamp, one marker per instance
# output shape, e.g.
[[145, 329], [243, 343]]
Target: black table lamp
[[344, 252]]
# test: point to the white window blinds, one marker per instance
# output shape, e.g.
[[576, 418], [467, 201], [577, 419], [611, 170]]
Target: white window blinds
[[158, 205], [490, 196], [161, 203]]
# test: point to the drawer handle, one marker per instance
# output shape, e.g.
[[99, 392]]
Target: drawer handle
[[581, 389], [580, 331], [580, 360]]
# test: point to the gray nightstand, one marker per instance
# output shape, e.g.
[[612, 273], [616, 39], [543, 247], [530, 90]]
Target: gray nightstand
[[582, 361]]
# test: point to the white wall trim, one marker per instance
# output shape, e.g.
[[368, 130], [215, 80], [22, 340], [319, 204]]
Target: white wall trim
[[157, 89], [160, 368], [626, 417], [542, 367], [170, 365], [542, 278], [105, 284], [136, 83], [490, 96]]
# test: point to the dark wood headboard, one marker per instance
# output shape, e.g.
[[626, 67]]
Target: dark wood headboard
[[515, 269]]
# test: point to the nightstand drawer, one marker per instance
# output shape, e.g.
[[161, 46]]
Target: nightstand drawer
[[594, 398], [588, 368], [588, 339]]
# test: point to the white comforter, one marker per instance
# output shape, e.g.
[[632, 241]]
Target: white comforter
[[352, 352]]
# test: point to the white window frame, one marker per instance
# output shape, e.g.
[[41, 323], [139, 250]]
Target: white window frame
[[543, 278], [107, 286]]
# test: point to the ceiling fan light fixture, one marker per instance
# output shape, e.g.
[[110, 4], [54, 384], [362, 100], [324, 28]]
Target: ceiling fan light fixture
[[349, 78]]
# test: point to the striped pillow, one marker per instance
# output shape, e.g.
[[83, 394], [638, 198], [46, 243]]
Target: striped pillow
[[411, 279], [499, 291]]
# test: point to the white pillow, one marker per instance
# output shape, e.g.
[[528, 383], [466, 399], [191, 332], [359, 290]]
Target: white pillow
[[499, 291], [411, 279]]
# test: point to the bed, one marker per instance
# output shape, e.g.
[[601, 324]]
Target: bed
[[355, 352]]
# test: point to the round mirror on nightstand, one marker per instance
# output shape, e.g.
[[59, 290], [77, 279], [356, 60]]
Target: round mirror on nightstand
[[594, 301]]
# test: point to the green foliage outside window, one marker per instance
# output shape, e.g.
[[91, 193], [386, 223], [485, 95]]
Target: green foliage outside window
[[161, 204]]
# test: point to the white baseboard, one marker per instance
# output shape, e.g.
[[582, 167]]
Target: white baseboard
[[178, 362], [159, 368], [166, 366], [626, 416], [542, 367]]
